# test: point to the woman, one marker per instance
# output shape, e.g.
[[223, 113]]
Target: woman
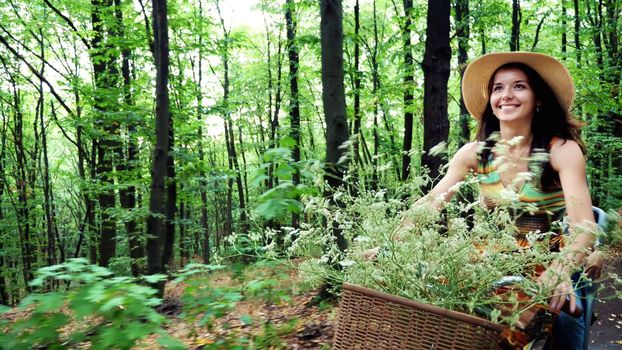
[[524, 99]]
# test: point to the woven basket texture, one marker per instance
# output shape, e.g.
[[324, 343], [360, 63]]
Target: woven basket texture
[[369, 319]]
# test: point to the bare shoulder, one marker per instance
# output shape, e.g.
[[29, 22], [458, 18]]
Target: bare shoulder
[[467, 155], [566, 154]]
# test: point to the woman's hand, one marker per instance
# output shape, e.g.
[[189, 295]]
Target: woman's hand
[[594, 265], [371, 254], [564, 293], [559, 276]]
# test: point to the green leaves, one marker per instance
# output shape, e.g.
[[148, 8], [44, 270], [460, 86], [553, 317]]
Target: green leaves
[[111, 312]]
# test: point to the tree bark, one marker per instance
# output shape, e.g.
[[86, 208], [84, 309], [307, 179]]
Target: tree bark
[[128, 160], [436, 73], [48, 202], [564, 35], [357, 97], [333, 98], [409, 81], [577, 31], [463, 32], [156, 224], [4, 297], [516, 21], [233, 157], [294, 102], [105, 76]]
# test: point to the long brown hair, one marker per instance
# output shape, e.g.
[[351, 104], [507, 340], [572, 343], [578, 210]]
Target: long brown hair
[[550, 120]]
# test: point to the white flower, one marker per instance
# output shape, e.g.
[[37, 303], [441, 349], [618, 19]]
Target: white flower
[[508, 196], [522, 176], [516, 140], [347, 263], [441, 147], [361, 239]]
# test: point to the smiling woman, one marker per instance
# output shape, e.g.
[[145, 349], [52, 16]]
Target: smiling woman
[[522, 101]]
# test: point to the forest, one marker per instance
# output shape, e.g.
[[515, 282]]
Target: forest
[[144, 142]]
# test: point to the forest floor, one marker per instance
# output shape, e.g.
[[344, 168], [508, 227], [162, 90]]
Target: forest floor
[[274, 315], [293, 325], [606, 332]]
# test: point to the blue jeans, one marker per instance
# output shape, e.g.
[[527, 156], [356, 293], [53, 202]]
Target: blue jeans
[[569, 332]]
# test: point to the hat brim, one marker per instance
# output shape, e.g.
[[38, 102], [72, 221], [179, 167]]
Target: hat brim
[[478, 73]]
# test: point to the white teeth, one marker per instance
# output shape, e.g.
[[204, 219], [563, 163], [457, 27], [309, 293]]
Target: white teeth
[[507, 107]]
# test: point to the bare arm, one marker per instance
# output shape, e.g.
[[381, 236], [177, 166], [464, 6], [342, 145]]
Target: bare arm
[[568, 160], [460, 165], [463, 161]]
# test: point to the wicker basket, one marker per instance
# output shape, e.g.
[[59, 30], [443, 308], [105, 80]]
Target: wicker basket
[[374, 320]]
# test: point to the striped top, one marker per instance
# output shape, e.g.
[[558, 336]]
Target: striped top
[[536, 209]]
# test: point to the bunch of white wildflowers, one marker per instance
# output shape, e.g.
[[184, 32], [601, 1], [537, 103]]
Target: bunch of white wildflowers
[[449, 262]]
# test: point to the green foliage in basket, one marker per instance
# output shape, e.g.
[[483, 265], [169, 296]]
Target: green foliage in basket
[[440, 260]]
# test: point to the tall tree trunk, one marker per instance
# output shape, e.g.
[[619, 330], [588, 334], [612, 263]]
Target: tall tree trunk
[[436, 73], [409, 81], [199, 96], [516, 21], [127, 163], [233, 158], [596, 121], [47, 189], [105, 76], [274, 118], [23, 206], [463, 32], [564, 35], [614, 79], [334, 101], [357, 159], [156, 223], [294, 102], [375, 89], [4, 297], [91, 215], [577, 31], [171, 199]]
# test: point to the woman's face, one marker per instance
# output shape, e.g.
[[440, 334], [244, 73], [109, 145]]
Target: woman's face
[[512, 98]]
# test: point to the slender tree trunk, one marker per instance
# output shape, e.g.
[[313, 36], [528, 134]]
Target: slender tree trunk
[[516, 21], [127, 163], [294, 102], [91, 215], [233, 158], [463, 32], [409, 81], [171, 199], [564, 35], [23, 205], [156, 224], [274, 119], [47, 190], [577, 31], [357, 170], [436, 73], [4, 297], [597, 170], [375, 88], [205, 251]]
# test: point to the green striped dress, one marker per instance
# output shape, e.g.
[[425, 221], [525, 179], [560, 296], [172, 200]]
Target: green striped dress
[[537, 209]]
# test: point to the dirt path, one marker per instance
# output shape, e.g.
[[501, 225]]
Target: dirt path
[[606, 332]]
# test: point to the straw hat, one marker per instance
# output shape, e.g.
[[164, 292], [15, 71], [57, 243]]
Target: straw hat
[[478, 74]]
